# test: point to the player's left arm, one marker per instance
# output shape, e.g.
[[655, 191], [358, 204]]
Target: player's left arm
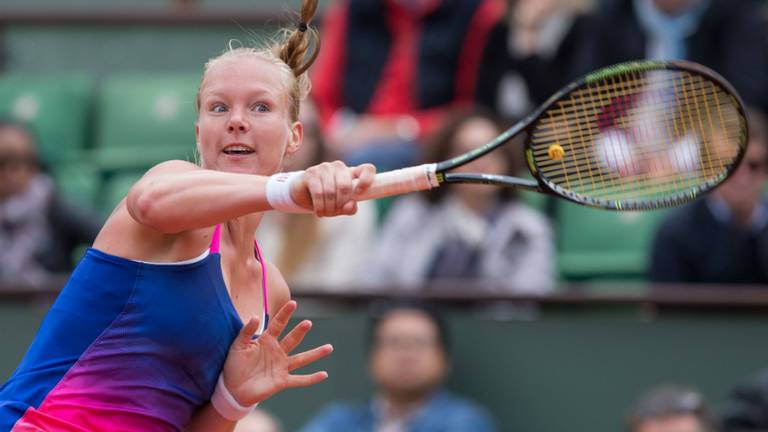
[[248, 358]]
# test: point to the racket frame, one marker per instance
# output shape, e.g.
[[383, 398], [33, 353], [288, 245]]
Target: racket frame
[[540, 184]]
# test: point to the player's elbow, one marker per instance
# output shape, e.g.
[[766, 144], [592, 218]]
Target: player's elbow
[[145, 204]]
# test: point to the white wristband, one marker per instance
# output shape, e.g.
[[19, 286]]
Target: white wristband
[[279, 192], [226, 405]]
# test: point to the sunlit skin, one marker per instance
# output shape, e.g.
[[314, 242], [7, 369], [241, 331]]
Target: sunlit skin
[[474, 133], [679, 423], [407, 362], [16, 149]]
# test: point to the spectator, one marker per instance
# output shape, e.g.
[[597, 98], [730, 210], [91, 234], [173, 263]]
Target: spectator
[[408, 361], [39, 230], [258, 420], [722, 238], [670, 409], [531, 54], [728, 36], [466, 232], [327, 253], [390, 68], [746, 410]]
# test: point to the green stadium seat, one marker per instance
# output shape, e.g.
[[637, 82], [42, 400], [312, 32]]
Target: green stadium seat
[[536, 200], [595, 243], [78, 181], [145, 119], [57, 107], [116, 188]]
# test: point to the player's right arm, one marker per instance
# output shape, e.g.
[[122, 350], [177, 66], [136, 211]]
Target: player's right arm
[[178, 196]]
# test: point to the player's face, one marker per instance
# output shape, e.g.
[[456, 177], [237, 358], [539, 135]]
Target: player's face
[[244, 124], [407, 357]]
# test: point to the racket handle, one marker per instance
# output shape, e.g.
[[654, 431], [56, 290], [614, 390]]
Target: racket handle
[[401, 181]]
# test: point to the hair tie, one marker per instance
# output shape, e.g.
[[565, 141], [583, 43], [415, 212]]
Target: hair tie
[[302, 27]]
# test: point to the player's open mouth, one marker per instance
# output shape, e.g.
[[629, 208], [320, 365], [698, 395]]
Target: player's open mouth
[[237, 150]]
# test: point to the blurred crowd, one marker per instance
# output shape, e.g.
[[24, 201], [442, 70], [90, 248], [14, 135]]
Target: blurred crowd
[[400, 82], [409, 359]]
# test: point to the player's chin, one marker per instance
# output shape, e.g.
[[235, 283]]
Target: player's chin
[[240, 164]]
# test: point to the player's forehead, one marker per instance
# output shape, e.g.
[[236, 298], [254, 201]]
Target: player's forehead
[[244, 74]]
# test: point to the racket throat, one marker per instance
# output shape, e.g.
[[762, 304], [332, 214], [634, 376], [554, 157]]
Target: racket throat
[[492, 179]]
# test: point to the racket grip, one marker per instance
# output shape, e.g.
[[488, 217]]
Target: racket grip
[[401, 181]]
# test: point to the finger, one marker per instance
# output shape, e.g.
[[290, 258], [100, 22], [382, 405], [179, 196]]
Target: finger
[[364, 174], [329, 191], [305, 358], [306, 380], [349, 208], [295, 336], [315, 187], [246, 333], [343, 186], [280, 321]]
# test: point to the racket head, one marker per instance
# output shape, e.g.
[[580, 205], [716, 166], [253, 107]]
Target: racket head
[[638, 136]]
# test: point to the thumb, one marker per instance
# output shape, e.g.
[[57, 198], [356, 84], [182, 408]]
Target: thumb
[[247, 333], [299, 190], [364, 175]]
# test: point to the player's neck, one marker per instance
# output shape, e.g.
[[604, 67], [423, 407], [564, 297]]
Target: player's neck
[[239, 233]]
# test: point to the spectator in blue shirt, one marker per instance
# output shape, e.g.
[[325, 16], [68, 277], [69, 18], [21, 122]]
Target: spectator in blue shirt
[[408, 362]]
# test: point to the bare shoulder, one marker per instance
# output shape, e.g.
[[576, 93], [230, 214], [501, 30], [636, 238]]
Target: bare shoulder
[[172, 166], [279, 293], [123, 236]]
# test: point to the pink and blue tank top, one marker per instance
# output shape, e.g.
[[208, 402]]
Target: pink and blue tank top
[[126, 346]]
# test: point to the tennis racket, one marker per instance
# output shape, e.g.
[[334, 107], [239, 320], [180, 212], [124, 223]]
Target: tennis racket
[[634, 136]]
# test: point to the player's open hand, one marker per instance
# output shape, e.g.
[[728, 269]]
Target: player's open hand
[[256, 369], [329, 188]]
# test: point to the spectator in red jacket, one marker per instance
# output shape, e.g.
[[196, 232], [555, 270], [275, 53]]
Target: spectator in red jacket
[[390, 68]]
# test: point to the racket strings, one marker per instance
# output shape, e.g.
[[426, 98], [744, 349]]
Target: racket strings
[[640, 136]]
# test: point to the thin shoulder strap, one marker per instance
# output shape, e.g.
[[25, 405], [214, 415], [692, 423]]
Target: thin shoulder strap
[[215, 243], [216, 239], [264, 291]]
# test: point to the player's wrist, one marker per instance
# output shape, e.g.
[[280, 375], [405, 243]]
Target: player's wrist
[[278, 192], [225, 403]]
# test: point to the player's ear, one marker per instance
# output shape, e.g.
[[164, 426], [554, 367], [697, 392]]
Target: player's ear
[[295, 138]]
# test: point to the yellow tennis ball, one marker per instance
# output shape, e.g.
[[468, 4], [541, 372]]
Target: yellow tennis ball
[[556, 152]]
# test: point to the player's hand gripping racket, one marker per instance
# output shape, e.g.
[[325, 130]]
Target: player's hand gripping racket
[[634, 136]]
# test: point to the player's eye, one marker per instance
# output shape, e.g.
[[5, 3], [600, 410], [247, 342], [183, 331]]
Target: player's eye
[[218, 108], [261, 107]]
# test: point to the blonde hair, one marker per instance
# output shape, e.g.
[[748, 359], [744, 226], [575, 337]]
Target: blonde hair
[[289, 51]]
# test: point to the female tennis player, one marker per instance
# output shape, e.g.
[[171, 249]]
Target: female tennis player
[[148, 334]]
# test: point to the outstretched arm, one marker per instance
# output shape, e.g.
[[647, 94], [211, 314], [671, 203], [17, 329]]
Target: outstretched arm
[[178, 196], [256, 369]]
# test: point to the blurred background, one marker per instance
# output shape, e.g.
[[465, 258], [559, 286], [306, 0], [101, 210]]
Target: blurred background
[[561, 316]]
